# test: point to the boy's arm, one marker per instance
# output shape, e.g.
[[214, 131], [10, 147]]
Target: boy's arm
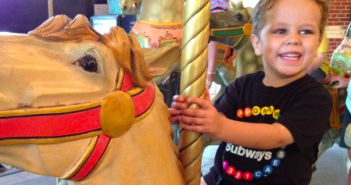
[[255, 135], [317, 62], [207, 120]]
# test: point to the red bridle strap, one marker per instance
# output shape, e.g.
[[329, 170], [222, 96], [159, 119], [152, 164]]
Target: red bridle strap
[[98, 148]]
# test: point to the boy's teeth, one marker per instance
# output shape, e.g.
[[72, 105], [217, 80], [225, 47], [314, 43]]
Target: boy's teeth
[[290, 55]]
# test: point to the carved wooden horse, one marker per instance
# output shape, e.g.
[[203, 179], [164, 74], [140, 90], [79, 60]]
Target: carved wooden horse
[[233, 29], [160, 23], [81, 106], [155, 30]]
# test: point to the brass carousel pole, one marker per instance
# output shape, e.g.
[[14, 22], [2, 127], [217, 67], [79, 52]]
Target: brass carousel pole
[[196, 18], [50, 8]]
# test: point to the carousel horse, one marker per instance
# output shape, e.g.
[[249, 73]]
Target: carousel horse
[[160, 23], [82, 106], [155, 30], [226, 30]]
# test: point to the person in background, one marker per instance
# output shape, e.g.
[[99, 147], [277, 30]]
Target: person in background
[[216, 6], [320, 65], [271, 122], [339, 82]]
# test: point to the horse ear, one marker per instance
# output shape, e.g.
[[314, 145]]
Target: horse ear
[[241, 5], [128, 54], [140, 70], [232, 5], [117, 40], [249, 10]]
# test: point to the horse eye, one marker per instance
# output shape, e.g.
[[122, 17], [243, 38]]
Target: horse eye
[[239, 17], [88, 63]]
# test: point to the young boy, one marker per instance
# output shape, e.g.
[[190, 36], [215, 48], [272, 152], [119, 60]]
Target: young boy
[[270, 122]]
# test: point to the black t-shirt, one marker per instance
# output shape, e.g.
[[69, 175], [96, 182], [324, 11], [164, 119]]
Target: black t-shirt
[[302, 106]]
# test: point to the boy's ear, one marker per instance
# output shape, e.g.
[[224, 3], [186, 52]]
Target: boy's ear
[[256, 44]]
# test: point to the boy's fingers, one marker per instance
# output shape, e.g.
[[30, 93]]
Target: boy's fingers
[[194, 115], [207, 94], [175, 115], [198, 101], [178, 98], [174, 120], [189, 119], [189, 127], [178, 105], [173, 111], [193, 128]]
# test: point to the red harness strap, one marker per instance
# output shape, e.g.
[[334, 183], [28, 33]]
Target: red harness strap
[[100, 148], [50, 125]]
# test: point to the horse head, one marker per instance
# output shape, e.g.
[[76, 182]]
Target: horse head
[[82, 106], [231, 28]]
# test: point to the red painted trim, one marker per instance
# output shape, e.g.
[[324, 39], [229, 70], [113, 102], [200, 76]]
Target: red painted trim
[[127, 82], [143, 101], [94, 158], [50, 126]]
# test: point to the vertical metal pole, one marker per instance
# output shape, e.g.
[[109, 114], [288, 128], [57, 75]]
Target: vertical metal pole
[[196, 18], [50, 8]]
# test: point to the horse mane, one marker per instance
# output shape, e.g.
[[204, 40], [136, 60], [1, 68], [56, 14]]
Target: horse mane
[[128, 54], [62, 28], [126, 49]]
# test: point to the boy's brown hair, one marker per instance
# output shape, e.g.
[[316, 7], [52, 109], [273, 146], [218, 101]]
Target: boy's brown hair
[[259, 12]]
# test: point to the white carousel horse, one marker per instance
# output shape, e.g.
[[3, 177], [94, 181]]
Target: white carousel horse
[[82, 106]]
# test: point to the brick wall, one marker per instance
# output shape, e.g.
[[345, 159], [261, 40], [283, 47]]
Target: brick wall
[[338, 20]]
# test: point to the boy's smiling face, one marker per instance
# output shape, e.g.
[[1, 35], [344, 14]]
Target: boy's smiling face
[[289, 40]]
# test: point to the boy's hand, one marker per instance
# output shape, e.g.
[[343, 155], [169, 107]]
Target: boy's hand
[[204, 119], [178, 104]]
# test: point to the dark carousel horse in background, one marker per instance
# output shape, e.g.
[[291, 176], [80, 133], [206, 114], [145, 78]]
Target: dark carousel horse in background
[[160, 23]]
